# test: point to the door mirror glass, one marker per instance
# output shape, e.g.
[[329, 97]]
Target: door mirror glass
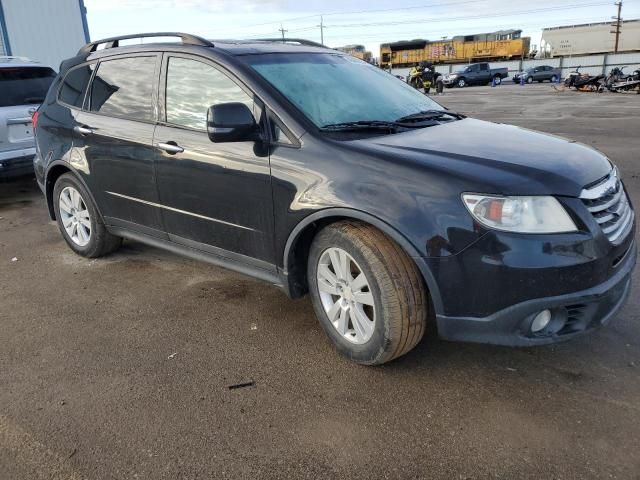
[[231, 122]]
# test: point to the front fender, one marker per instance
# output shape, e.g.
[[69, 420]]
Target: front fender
[[400, 239]]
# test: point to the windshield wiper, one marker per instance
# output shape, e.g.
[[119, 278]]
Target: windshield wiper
[[430, 115], [362, 125]]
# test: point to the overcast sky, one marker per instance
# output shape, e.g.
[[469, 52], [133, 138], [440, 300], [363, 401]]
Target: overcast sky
[[369, 22]]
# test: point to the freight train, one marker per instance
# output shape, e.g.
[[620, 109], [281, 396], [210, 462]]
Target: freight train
[[501, 45]]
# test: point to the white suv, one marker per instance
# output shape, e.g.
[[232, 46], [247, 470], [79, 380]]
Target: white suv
[[23, 86]]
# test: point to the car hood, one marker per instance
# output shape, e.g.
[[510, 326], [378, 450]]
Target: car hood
[[506, 159]]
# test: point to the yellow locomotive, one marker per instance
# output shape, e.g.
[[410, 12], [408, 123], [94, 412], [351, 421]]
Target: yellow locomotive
[[501, 45]]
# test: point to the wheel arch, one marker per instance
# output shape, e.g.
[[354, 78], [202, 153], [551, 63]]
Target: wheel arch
[[296, 249], [55, 170]]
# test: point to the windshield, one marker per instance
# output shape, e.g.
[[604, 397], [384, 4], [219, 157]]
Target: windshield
[[24, 85], [332, 89]]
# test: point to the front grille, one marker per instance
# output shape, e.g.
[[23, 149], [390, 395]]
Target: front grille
[[608, 203]]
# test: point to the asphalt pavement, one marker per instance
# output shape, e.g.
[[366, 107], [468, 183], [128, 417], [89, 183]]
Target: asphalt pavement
[[122, 367]]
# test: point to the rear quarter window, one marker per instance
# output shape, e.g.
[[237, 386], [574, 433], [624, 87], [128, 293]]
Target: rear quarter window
[[24, 85], [74, 85]]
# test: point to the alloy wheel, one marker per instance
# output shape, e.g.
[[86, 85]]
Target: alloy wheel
[[346, 295], [75, 216]]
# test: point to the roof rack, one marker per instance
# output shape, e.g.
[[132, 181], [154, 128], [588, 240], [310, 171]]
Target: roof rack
[[300, 41], [114, 42]]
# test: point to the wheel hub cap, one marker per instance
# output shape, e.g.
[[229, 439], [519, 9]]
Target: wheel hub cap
[[75, 217], [346, 295]]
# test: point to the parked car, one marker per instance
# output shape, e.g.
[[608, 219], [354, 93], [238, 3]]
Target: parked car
[[475, 74], [23, 85], [393, 213], [540, 74]]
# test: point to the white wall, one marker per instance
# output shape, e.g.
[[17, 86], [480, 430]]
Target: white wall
[[48, 31]]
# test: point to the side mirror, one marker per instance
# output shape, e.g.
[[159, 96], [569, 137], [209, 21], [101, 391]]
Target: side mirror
[[231, 122]]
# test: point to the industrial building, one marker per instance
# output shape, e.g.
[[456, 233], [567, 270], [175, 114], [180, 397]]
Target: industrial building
[[45, 31], [590, 38]]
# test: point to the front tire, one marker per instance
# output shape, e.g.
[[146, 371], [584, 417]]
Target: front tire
[[79, 221], [461, 83], [367, 293], [529, 79]]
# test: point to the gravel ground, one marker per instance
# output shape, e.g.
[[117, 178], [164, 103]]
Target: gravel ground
[[120, 367]]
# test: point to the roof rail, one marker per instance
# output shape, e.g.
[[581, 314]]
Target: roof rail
[[114, 42], [300, 41], [14, 57]]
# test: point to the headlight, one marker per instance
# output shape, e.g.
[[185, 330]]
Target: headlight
[[519, 214], [453, 75]]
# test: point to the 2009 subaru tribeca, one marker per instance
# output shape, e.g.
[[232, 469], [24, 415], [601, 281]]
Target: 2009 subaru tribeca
[[315, 171]]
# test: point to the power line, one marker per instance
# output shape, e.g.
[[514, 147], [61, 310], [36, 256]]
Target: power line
[[353, 12], [436, 34], [468, 17]]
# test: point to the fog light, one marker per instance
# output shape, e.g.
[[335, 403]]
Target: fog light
[[541, 321]]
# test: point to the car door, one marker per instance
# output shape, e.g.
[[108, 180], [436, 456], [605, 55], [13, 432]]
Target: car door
[[548, 73], [484, 74], [215, 196], [114, 135]]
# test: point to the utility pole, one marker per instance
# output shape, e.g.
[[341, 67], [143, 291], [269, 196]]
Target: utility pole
[[283, 31], [321, 30], [617, 25]]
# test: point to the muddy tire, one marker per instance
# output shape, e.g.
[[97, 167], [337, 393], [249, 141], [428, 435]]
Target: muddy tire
[[79, 221], [367, 293]]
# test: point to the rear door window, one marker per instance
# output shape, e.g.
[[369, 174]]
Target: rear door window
[[124, 88], [24, 85], [75, 84]]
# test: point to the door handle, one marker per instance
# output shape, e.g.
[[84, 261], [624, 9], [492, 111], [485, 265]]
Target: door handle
[[82, 130], [170, 147]]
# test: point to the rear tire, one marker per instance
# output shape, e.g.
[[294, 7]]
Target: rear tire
[[79, 221], [394, 288], [554, 79], [497, 80]]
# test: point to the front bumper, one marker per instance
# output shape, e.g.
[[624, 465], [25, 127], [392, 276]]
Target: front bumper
[[15, 163], [449, 81], [572, 314]]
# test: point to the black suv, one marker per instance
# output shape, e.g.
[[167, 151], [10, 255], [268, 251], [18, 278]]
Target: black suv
[[322, 174]]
